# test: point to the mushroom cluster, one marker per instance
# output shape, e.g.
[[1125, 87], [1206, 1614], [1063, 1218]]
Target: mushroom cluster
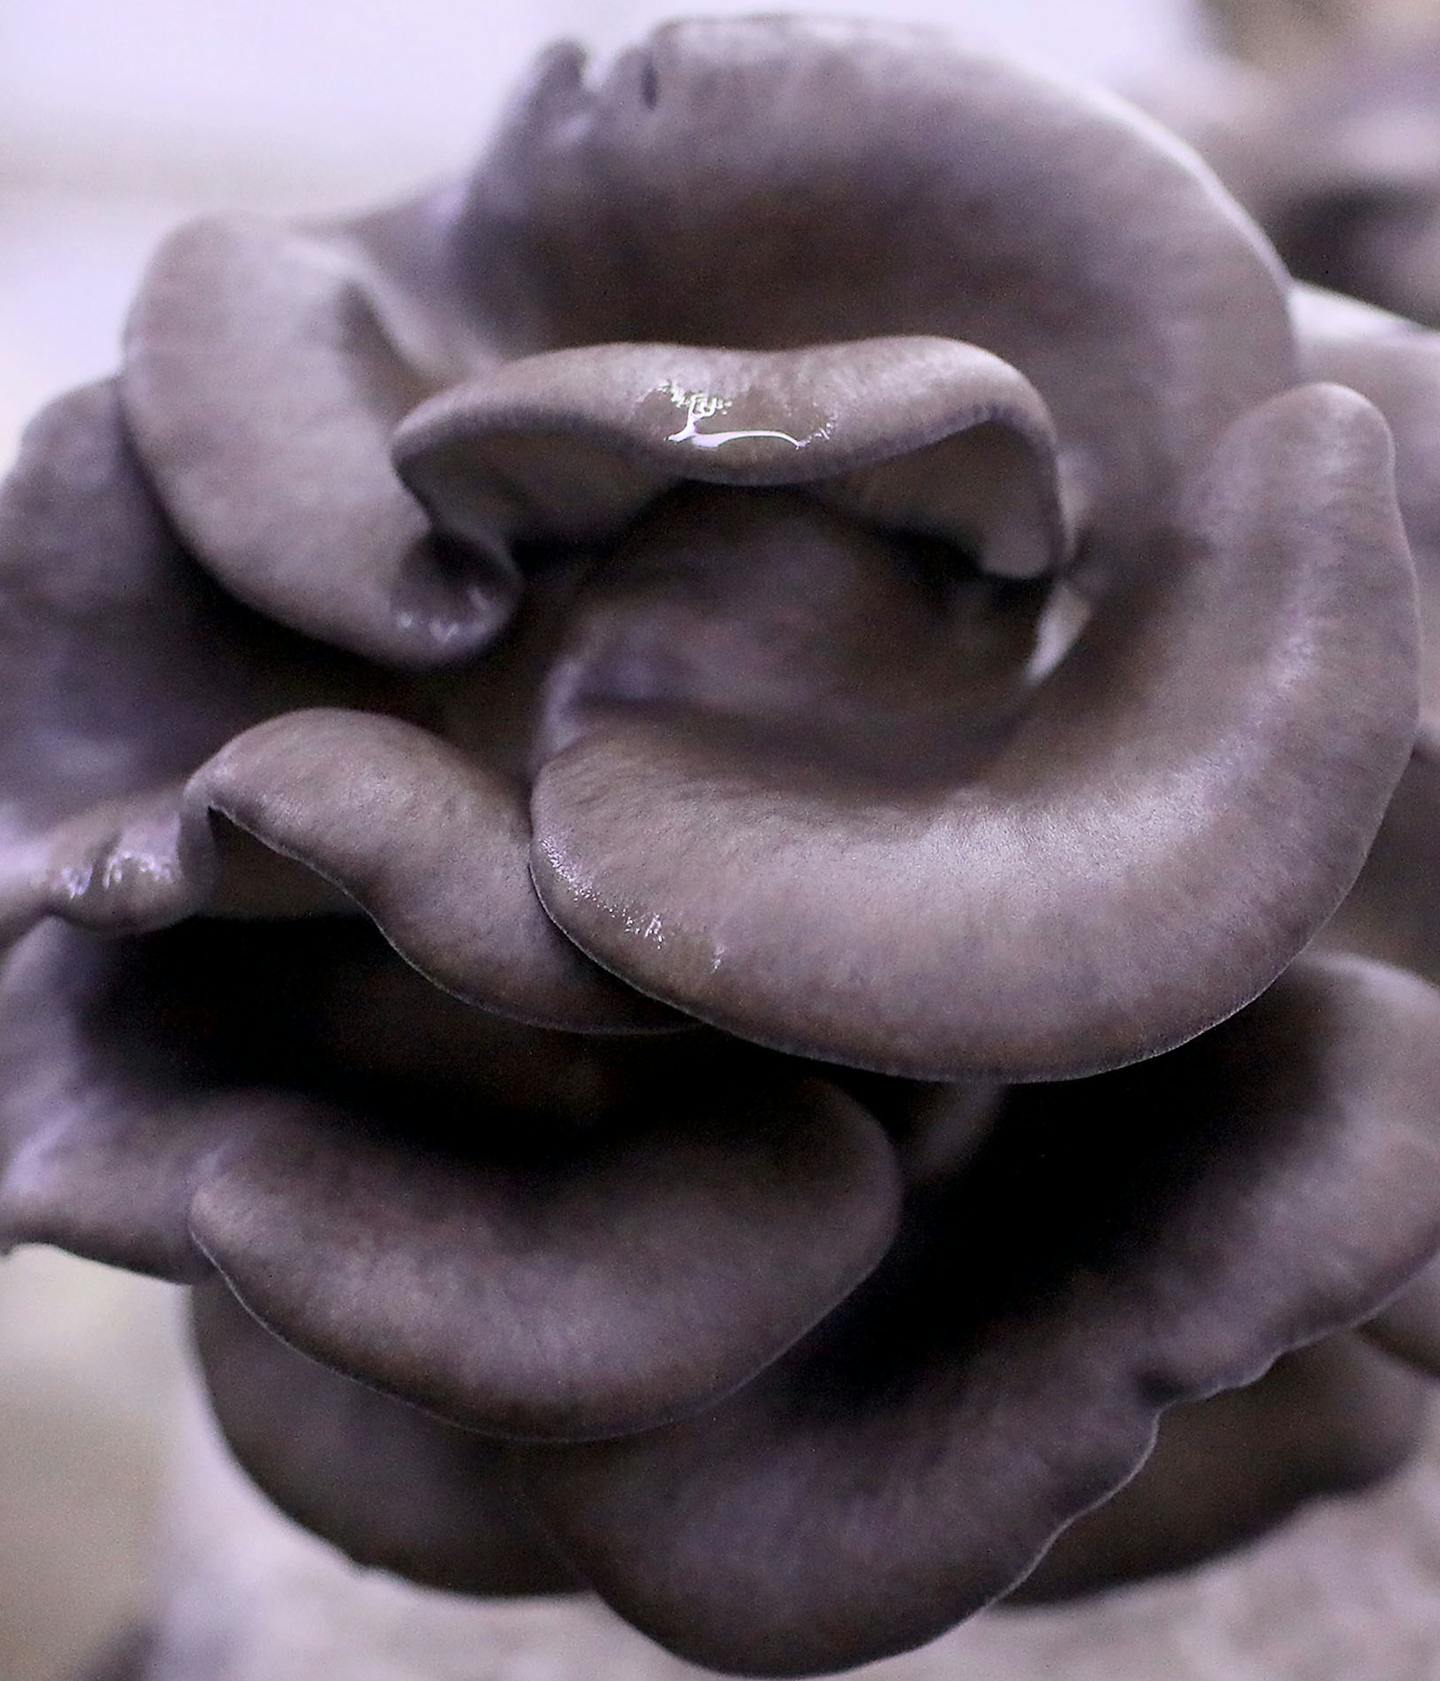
[[1337, 158], [671, 819]]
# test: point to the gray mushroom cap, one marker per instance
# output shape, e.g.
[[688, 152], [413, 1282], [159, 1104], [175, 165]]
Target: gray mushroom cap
[[659, 812], [1120, 1244], [1337, 160], [1333, 1418]]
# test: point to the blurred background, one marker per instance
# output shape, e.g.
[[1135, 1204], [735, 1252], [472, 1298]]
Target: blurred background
[[116, 122]]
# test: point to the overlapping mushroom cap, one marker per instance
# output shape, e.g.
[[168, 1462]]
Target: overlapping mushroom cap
[[664, 809], [1338, 160]]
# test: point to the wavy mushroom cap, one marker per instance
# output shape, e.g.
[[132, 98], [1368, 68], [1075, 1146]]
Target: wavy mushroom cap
[[658, 812], [949, 850], [1339, 161]]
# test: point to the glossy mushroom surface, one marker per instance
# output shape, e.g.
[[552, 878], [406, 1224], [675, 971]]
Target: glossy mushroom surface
[[660, 816]]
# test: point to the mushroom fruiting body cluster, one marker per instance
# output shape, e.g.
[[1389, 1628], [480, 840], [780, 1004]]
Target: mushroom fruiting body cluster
[[1338, 158], [671, 820]]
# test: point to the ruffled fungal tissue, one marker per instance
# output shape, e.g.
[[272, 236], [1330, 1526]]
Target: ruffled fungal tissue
[[672, 819], [1338, 159]]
